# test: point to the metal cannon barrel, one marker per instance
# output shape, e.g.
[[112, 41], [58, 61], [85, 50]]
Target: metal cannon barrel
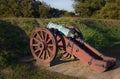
[[64, 30]]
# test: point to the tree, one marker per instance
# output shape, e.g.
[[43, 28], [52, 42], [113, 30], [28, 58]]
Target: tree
[[98, 8], [86, 8], [44, 10], [7, 7], [111, 10], [28, 8], [36, 5]]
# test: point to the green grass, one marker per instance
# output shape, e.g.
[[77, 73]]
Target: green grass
[[14, 43]]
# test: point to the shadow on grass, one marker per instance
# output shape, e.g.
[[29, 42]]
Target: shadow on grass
[[113, 51], [14, 42], [58, 61]]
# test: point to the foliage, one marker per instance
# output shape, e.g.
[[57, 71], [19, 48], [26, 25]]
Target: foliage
[[98, 8], [87, 8], [28, 8], [110, 10]]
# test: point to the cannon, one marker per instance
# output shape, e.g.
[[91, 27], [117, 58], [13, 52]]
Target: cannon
[[46, 41]]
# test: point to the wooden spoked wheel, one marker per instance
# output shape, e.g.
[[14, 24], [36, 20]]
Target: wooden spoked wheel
[[61, 45], [43, 45]]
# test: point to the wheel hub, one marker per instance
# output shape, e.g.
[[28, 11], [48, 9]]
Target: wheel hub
[[43, 45]]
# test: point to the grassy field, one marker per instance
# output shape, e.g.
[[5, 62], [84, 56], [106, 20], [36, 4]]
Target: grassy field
[[14, 43]]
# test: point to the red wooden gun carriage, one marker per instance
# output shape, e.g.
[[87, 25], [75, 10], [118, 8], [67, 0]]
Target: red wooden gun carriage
[[45, 42]]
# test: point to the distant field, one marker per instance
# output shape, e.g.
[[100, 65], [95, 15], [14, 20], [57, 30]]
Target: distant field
[[14, 43]]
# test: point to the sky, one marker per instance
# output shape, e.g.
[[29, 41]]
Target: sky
[[60, 4]]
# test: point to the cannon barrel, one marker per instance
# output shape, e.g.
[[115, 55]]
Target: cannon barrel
[[64, 30]]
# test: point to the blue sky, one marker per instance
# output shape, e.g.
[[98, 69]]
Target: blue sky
[[60, 4]]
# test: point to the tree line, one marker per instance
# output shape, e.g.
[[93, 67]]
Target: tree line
[[30, 8], [83, 8], [98, 8]]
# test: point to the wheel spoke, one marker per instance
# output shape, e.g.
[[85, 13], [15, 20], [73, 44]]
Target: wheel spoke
[[42, 35], [38, 49], [59, 40], [36, 40], [48, 54], [49, 50], [40, 54], [35, 44], [60, 45], [50, 45], [46, 35], [44, 55], [48, 40], [39, 36], [66, 54]]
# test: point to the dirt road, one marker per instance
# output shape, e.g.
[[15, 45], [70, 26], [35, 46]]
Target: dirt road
[[77, 69]]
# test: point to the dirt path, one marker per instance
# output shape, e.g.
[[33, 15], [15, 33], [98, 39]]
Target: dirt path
[[111, 74], [77, 69], [73, 68]]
